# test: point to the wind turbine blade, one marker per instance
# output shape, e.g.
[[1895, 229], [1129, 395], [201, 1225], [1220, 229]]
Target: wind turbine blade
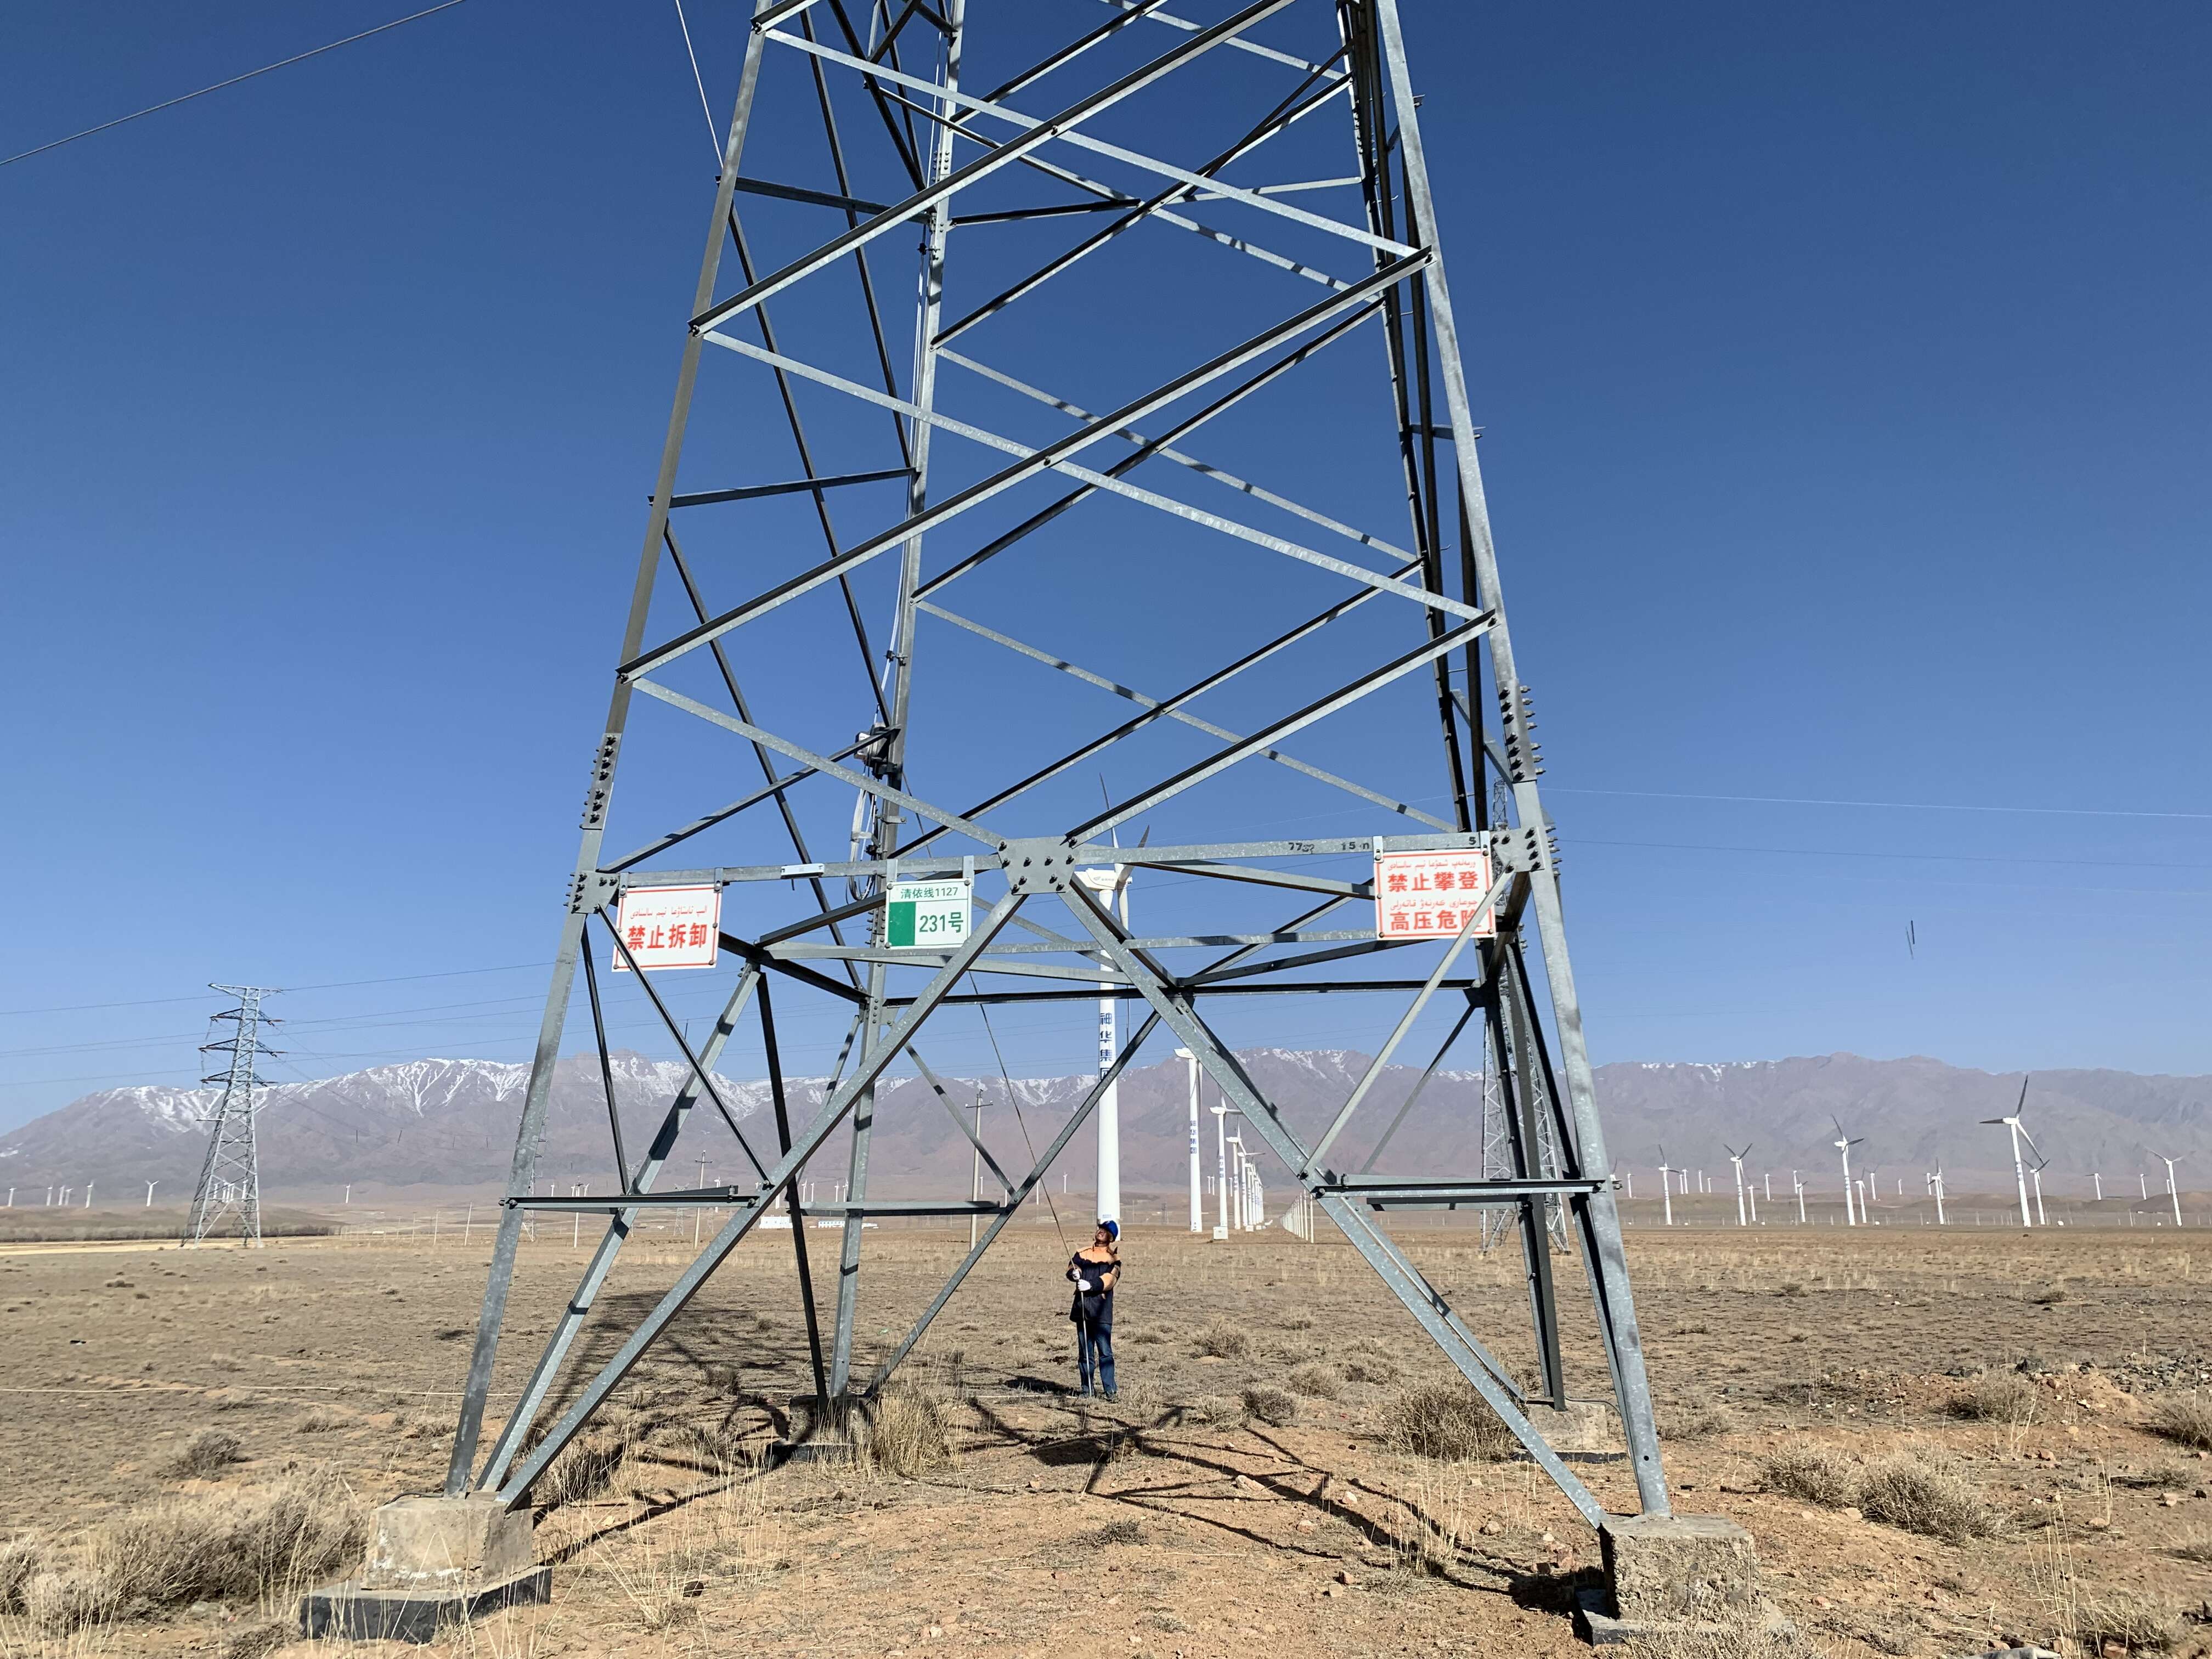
[[2031, 1146], [1860, 1141], [2023, 1095], [1992, 1120]]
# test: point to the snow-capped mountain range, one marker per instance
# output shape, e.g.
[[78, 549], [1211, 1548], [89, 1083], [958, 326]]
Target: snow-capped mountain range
[[450, 1124]]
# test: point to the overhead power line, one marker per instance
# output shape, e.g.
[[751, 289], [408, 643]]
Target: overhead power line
[[184, 98]]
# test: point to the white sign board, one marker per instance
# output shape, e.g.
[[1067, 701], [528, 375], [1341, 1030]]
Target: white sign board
[[927, 915], [670, 926], [1428, 894]]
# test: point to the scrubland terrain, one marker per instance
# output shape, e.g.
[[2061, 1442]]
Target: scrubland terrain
[[1941, 1440]]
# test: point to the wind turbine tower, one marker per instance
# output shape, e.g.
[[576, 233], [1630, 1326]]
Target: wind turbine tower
[[1666, 1192], [1843, 1143], [1112, 886], [2019, 1165], [1736, 1159], [2173, 1192], [1197, 1179]]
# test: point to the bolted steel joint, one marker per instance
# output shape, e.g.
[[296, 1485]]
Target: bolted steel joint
[[1037, 865], [590, 891]]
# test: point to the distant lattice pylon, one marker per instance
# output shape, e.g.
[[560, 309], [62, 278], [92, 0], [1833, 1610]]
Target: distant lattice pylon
[[230, 1178]]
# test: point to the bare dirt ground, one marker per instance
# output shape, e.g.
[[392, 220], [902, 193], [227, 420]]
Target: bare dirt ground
[[1171, 1522]]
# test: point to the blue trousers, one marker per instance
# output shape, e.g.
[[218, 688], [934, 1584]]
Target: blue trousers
[[1094, 1345]]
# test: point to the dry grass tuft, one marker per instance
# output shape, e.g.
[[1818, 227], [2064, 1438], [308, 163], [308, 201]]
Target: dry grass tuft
[[583, 1470], [1277, 1407], [20, 1559], [1924, 1490], [1999, 1397], [1211, 1408], [207, 1453], [1222, 1341], [909, 1431], [1694, 1422], [1813, 1474], [2186, 1418], [1448, 1421], [2197, 1548], [320, 1420], [1121, 1531], [1317, 1381], [2136, 1622], [266, 1542]]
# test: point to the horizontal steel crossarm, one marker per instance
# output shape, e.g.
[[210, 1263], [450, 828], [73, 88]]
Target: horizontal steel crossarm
[[821, 763], [700, 1198], [1068, 53], [814, 197], [1367, 946], [1288, 879], [1302, 987], [1207, 727], [1177, 942], [1167, 788], [1097, 853], [869, 1067], [790, 487], [722, 814], [1252, 47], [1036, 134], [996, 962], [1167, 453], [1366, 1186]]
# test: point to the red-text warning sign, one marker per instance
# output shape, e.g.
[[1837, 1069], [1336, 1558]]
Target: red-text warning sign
[[1429, 895], [670, 926]]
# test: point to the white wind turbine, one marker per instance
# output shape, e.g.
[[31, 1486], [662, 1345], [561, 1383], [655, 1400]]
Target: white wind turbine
[[1935, 1186], [1666, 1192], [1797, 1187], [1843, 1143], [1112, 886], [1737, 1159], [2173, 1192], [2035, 1174], [2019, 1134]]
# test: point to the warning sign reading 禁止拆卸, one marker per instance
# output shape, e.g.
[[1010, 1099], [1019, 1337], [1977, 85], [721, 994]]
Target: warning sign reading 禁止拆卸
[[926, 916], [670, 926], [1428, 894]]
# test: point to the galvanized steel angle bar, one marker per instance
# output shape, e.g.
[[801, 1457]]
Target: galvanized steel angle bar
[[805, 1145], [821, 763], [1131, 694], [1167, 788], [1035, 133], [1221, 476], [579, 1306]]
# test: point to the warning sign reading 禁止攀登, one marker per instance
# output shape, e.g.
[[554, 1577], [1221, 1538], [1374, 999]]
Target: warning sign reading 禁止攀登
[[1428, 894], [670, 926], [927, 915]]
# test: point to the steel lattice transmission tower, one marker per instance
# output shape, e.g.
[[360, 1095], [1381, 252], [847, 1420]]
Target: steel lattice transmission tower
[[230, 1175], [1106, 495]]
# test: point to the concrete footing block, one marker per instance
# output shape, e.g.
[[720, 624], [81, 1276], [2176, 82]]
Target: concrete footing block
[[354, 1613], [431, 1561], [1674, 1574]]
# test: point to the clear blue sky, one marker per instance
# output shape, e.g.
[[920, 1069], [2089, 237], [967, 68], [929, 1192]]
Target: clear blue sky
[[1845, 382]]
